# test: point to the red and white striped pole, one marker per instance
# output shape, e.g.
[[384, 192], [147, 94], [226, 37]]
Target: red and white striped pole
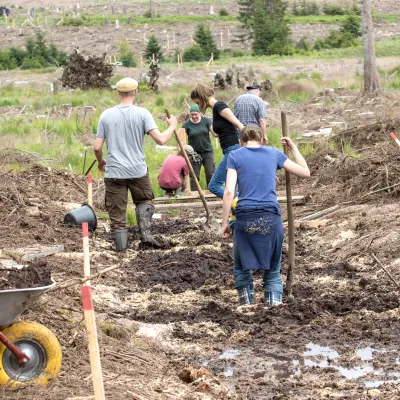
[[394, 137], [90, 189], [90, 321]]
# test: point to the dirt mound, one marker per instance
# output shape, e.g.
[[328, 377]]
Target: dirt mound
[[34, 275], [357, 165], [184, 269], [33, 209]]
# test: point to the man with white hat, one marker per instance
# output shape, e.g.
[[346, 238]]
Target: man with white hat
[[250, 109], [123, 128]]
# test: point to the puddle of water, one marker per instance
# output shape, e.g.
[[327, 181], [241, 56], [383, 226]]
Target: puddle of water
[[354, 373], [365, 353], [317, 350], [376, 384], [229, 354], [228, 372]]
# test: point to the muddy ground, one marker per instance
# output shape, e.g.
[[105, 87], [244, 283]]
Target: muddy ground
[[170, 326], [169, 322]]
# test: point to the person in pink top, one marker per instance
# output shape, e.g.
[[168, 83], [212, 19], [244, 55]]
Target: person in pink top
[[173, 171]]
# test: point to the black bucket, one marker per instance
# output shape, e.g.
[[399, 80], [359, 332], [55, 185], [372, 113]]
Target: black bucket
[[82, 214]]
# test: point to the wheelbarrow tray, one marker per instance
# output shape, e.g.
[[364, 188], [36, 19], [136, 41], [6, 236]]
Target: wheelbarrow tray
[[14, 302]]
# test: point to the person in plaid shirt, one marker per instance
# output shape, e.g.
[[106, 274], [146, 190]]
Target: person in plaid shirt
[[250, 109]]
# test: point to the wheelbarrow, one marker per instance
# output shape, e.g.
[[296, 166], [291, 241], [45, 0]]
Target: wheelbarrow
[[29, 352]]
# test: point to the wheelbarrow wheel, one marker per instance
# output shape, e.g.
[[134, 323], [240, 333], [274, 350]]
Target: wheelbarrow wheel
[[40, 345]]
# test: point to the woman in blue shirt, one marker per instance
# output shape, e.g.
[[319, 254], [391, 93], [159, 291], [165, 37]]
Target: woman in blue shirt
[[258, 233]]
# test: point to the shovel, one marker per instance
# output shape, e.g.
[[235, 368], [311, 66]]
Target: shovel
[[291, 255], [193, 175]]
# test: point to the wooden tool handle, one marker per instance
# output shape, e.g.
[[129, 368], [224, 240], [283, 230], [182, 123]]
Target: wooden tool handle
[[291, 255], [201, 194]]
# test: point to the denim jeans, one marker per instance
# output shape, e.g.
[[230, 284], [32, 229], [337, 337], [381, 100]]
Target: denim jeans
[[218, 179], [272, 281]]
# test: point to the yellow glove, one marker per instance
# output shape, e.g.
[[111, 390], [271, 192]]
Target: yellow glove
[[233, 207]]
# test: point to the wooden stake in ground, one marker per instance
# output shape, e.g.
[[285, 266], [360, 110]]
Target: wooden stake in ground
[[90, 189], [394, 137], [291, 257], [90, 321]]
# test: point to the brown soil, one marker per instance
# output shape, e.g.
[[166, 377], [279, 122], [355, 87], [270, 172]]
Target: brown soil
[[33, 206], [34, 275], [169, 322]]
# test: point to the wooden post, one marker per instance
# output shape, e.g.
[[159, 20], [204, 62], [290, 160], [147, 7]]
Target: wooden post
[[13, 23], [153, 57], [115, 59], [90, 321], [291, 255], [141, 61], [90, 189], [212, 58], [182, 138]]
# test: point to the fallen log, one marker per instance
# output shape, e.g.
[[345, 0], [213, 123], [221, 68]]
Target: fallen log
[[318, 214], [215, 203]]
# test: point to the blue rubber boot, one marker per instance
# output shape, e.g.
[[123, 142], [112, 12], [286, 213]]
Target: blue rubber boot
[[272, 298], [246, 295]]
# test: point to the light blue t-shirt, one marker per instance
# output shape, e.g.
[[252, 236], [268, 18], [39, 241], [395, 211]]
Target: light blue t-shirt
[[124, 128], [256, 170]]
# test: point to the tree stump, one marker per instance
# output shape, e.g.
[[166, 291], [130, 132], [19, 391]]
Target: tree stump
[[88, 114], [67, 110]]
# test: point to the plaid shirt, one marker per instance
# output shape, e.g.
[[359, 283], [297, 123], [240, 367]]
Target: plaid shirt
[[249, 109]]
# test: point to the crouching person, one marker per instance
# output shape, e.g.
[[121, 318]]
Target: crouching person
[[258, 233], [123, 128], [173, 172]]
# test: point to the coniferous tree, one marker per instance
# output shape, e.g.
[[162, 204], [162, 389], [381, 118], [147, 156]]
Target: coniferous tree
[[205, 39], [260, 29], [153, 47], [275, 33], [270, 28]]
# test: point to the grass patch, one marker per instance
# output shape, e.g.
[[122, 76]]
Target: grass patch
[[6, 102], [131, 218], [295, 91]]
